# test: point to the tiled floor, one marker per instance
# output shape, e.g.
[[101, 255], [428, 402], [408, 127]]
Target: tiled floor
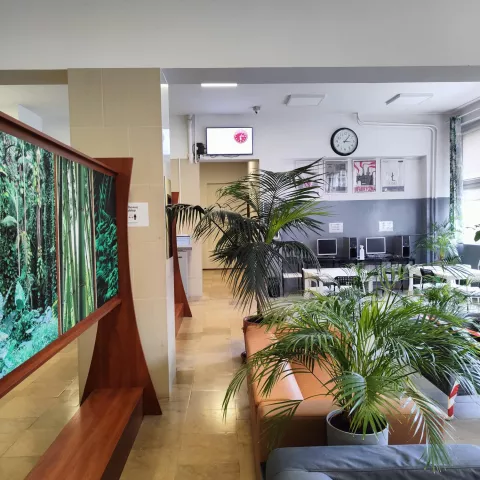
[[32, 414], [191, 440]]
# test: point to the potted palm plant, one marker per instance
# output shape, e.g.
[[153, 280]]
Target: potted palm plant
[[441, 242], [247, 221], [372, 349]]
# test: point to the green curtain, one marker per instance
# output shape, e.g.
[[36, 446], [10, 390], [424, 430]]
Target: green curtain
[[456, 175]]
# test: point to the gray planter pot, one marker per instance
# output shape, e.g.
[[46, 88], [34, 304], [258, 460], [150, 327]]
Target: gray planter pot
[[339, 437]]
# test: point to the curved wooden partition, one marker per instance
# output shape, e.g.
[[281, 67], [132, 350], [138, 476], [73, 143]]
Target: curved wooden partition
[[182, 307], [118, 360], [119, 389]]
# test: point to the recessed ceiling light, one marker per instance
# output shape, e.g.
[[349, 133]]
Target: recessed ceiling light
[[219, 85], [409, 98], [304, 100]]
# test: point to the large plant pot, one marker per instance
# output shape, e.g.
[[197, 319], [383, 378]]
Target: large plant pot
[[336, 436]]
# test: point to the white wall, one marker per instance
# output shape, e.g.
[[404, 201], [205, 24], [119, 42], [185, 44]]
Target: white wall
[[206, 33], [280, 140]]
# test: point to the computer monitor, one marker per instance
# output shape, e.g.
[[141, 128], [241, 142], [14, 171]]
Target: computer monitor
[[327, 247], [375, 245]]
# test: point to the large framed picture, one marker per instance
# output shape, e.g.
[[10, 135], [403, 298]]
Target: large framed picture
[[336, 176], [305, 163], [393, 175], [364, 176]]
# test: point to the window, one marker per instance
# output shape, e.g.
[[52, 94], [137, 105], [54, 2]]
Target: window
[[471, 184]]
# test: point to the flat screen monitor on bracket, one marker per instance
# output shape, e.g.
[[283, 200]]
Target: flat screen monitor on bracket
[[229, 141]]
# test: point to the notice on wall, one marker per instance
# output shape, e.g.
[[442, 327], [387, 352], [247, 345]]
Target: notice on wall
[[335, 227], [138, 215], [385, 226]]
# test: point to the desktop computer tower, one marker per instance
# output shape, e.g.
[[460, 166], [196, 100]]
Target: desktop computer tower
[[401, 246], [349, 248]]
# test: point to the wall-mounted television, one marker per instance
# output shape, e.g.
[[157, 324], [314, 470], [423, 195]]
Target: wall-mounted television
[[229, 141], [327, 247]]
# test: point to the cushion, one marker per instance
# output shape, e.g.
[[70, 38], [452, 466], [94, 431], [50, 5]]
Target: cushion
[[402, 462]]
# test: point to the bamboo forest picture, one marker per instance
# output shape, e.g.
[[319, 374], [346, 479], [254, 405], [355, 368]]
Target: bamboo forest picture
[[77, 245], [105, 237], [28, 275], [57, 225]]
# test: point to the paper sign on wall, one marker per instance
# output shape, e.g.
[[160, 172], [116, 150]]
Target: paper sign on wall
[[385, 226], [138, 215], [335, 227]]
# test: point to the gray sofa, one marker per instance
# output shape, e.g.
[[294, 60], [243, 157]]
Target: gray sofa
[[402, 462]]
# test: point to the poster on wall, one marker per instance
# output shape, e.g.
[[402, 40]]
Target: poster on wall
[[364, 176], [76, 226], [305, 163], [335, 176], [393, 175], [106, 245], [28, 271]]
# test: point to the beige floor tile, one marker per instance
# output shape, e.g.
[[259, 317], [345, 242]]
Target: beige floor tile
[[26, 407], [207, 400], [152, 464], [228, 471], [16, 468], [40, 389], [201, 449], [153, 436], [210, 421], [7, 440], [32, 443], [15, 425], [56, 417]]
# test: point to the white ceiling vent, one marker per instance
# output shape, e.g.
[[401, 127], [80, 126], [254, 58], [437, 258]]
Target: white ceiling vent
[[304, 100], [409, 99]]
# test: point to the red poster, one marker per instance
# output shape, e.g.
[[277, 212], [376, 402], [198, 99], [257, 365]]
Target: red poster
[[364, 176]]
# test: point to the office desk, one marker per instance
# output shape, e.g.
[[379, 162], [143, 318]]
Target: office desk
[[339, 262], [451, 273], [328, 275]]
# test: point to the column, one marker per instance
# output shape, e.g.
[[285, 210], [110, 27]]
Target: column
[[118, 113]]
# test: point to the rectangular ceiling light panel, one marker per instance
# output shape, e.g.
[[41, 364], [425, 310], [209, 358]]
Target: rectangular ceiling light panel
[[304, 100], [409, 98]]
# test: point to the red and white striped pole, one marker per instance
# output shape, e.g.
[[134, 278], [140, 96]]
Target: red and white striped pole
[[451, 400]]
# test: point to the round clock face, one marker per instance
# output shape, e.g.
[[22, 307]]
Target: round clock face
[[344, 141], [241, 136]]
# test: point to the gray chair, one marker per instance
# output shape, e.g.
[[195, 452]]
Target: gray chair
[[401, 462]]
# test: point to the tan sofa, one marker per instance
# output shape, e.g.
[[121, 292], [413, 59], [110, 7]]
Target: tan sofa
[[308, 426]]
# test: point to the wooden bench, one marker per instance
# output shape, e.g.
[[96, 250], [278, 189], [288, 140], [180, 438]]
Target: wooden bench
[[96, 442]]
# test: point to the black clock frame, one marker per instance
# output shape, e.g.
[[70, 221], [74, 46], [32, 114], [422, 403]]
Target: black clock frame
[[333, 146]]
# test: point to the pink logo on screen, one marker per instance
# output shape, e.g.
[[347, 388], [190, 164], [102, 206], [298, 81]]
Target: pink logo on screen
[[240, 136]]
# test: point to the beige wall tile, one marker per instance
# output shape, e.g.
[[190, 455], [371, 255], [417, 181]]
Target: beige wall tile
[[146, 150], [146, 261], [85, 98], [100, 142], [154, 196], [131, 97]]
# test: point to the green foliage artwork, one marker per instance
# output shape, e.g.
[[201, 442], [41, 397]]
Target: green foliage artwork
[[77, 249], [45, 199], [28, 272], [105, 237]]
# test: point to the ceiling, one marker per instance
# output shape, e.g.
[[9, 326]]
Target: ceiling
[[339, 97], [48, 101], [51, 101]]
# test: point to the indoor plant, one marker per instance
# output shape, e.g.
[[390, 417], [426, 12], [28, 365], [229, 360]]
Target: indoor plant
[[372, 348], [246, 222], [441, 242]]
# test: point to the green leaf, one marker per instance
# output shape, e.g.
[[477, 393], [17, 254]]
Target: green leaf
[[8, 221], [477, 236], [19, 297]]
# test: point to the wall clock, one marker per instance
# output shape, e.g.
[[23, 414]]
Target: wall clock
[[344, 141]]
